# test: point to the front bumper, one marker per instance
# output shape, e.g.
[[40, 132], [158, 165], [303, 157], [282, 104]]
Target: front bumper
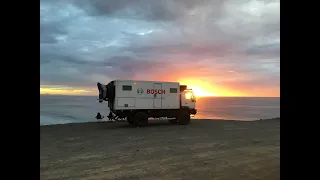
[[193, 111]]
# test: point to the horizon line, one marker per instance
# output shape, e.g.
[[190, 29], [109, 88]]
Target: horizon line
[[196, 96]]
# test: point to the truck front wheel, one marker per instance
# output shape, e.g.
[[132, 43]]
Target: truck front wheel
[[184, 118], [140, 119]]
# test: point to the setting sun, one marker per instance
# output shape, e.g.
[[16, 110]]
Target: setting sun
[[205, 89], [199, 92], [199, 88]]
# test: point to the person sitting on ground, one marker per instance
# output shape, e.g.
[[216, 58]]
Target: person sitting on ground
[[99, 117], [110, 116]]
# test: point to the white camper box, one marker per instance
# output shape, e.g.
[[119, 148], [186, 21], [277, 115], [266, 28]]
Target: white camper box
[[139, 100]]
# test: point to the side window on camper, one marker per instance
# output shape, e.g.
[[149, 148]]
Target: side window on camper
[[126, 88], [173, 90]]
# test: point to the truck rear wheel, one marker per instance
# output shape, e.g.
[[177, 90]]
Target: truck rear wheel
[[184, 118], [140, 119]]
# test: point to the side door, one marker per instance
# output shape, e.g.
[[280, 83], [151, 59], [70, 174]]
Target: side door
[[157, 98]]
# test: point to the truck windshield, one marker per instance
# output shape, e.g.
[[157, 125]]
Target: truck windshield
[[189, 95]]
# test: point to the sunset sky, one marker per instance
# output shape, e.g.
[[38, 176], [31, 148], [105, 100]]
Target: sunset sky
[[217, 47]]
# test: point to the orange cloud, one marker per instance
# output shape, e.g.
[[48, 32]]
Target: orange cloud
[[205, 81]]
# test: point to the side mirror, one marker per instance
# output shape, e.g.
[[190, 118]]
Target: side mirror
[[193, 99]]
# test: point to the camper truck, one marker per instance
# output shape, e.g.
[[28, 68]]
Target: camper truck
[[137, 101]]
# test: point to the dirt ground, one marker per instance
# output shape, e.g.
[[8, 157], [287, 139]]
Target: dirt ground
[[204, 149]]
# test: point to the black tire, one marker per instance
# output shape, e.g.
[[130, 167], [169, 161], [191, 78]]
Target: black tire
[[184, 117], [173, 121], [140, 119]]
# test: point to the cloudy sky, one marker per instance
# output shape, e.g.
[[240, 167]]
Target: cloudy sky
[[218, 47]]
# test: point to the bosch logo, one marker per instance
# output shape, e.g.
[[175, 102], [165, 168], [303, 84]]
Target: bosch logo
[[156, 91], [140, 91]]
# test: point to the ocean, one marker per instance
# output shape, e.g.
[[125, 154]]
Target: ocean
[[72, 109]]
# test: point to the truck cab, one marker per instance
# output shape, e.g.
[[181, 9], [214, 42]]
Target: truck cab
[[188, 100]]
